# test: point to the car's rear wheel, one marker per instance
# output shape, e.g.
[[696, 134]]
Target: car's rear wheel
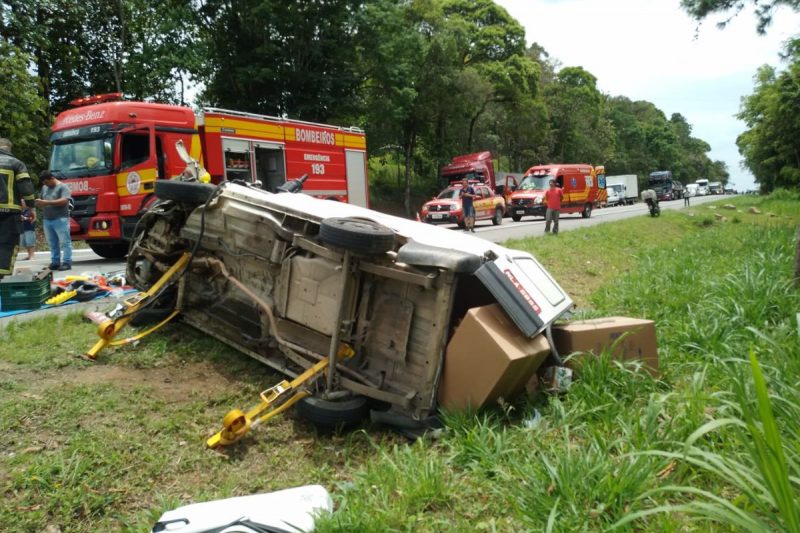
[[110, 249], [498, 216], [330, 415], [587, 211], [358, 235], [184, 191], [516, 218]]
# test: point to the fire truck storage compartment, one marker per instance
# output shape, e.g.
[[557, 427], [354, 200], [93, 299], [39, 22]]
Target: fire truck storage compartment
[[237, 160], [270, 167]]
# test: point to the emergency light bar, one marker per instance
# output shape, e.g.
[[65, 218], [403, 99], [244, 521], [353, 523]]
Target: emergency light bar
[[97, 99]]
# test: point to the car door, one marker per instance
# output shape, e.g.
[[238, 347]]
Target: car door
[[485, 202]]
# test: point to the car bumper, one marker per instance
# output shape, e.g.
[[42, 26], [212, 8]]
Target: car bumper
[[441, 218], [528, 210]]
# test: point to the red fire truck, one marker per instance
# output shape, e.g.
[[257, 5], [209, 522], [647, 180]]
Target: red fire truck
[[110, 152]]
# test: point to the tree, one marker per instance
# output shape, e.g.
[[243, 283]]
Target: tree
[[763, 9], [772, 114], [23, 117], [283, 58], [139, 47], [581, 131]]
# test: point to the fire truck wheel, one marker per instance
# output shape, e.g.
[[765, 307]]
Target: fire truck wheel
[[358, 235], [587, 211], [497, 219], [110, 250], [330, 415], [183, 191], [516, 218]]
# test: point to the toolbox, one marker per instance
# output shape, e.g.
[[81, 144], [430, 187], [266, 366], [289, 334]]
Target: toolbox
[[26, 291]]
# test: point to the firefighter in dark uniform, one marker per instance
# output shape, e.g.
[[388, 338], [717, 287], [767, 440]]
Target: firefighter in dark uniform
[[15, 185]]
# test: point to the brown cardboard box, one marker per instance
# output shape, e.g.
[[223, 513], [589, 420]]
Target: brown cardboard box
[[593, 336], [488, 358]]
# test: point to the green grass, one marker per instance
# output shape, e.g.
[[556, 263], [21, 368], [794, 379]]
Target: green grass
[[713, 444]]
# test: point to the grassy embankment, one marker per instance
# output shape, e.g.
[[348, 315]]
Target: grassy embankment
[[111, 445]]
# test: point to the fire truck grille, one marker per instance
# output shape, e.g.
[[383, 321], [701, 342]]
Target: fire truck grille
[[85, 206]]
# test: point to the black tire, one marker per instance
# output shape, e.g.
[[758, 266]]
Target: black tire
[[358, 235], [86, 292], [184, 191], [587, 211], [516, 218], [331, 415], [109, 249], [497, 219]]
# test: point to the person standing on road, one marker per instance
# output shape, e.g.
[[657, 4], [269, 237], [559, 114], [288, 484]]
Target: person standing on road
[[55, 201], [552, 198], [15, 186], [468, 205], [28, 239], [686, 198]]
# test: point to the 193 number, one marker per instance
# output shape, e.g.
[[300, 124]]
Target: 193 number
[[318, 168]]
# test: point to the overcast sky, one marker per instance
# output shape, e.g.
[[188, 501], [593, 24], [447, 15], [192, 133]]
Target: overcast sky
[[651, 50]]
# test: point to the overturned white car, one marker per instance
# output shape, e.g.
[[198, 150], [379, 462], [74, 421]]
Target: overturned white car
[[295, 282]]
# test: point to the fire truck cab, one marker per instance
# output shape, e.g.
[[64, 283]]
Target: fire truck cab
[[110, 152], [584, 189]]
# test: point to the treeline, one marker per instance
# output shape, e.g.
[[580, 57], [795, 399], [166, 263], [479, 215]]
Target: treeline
[[771, 144], [427, 79]]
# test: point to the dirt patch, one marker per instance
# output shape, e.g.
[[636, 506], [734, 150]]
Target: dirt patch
[[172, 384]]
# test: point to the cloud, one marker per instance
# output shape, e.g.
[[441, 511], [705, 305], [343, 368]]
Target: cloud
[[651, 50]]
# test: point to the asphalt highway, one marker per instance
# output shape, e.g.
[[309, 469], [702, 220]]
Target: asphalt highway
[[84, 260]]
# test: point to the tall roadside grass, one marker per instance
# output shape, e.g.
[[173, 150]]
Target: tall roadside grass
[[713, 443]]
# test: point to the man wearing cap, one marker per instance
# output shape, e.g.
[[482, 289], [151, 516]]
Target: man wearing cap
[[552, 198], [15, 186], [55, 203]]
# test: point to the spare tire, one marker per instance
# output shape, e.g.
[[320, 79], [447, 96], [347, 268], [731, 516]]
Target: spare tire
[[358, 235], [330, 415], [87, 291], [184, 191]]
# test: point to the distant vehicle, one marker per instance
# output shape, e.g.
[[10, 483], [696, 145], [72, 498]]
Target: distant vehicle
[[665, 187], [480, 168], [729, 190], [616, 194], [715, 187], [702, 187], [584, 189], [691, 189], [446, 207], [631, 187]]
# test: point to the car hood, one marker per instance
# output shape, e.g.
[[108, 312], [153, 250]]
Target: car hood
[[442, 202], [526, 195]]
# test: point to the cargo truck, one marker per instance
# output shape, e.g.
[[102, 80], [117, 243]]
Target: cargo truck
[[630, 189]]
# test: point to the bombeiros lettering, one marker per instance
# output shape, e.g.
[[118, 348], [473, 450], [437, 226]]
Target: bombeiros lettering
[[315, 136]]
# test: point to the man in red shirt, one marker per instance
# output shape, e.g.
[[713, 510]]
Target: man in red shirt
[[552, 198]]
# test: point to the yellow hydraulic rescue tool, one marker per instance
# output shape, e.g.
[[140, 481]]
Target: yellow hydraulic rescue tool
[[123, 314], [274, 401]]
